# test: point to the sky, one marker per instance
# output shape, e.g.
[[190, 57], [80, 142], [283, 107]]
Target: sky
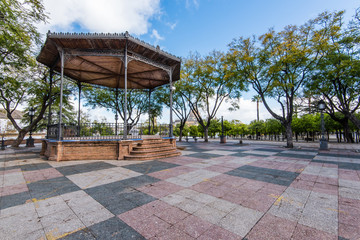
[[183, 26]]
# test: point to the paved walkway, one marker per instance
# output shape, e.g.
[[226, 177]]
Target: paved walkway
[[213, 191]]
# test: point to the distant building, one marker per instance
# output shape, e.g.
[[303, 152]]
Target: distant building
[[190, 121], [5, 123]]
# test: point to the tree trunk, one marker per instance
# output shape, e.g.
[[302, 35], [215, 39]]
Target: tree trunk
[[181, 131], [289, 137], [354, 120], [19, 138], [347, 132], [206, 134]]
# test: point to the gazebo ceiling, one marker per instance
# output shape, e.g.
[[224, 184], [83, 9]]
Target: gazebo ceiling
[[99, 59]]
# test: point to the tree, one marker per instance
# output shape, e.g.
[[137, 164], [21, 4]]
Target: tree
[[180, 104], [137, 102], [277, 65], [18, 33], [336, 78], [207, 84], [33, 87]]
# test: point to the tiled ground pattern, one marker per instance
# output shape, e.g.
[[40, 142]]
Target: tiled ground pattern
[[213, 191]]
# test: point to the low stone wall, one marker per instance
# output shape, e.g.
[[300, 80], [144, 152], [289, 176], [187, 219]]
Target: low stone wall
[[87, 150], [67, 150]]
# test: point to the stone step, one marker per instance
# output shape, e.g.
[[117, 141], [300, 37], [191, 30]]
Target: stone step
[[152, 140], [152, 156], [157, 144], [153, 151], [150, 147]]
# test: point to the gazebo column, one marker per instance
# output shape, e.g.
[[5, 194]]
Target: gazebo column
[[149, 111], [125, 102], [79, 113], [60, 133], [171, 105], [50, 102], [116, 112]]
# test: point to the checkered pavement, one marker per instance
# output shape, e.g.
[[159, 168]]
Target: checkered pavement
[[212, 191]]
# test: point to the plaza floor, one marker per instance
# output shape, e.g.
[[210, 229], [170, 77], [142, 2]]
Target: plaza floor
[[213, 191]]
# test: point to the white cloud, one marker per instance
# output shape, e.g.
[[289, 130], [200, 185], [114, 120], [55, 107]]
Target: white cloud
[[155, 34], [191, 3], [101, 16]]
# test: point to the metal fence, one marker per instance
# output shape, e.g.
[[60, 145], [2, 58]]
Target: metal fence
[[105, 131]]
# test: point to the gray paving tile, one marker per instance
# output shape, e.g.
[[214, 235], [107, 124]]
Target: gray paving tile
[[14, 200], [290, 204], [321, 212], [114, 228], [82, 168], [274, 176], [151, 166], [241, 220], [51, 187]]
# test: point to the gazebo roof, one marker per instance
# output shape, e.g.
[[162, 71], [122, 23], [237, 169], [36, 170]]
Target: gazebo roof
[[99, 59]]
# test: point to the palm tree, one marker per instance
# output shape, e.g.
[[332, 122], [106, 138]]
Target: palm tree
[[257, 99]]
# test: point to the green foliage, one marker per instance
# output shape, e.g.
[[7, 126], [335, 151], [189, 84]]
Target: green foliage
[[207, 83], [18, 32], [336, 78], [194, 131], [137, 102]]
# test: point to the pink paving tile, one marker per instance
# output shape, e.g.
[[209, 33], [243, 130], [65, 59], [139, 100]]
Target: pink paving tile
[[252, 185], [9, 190], [307, 177], [237, 197], [229, 180], [150, 226], [172, 233], [132, 216], [270, 188], [160, 189], [306, 185], [349, 202], [51, 173], [349, 212], [33, 176], [171, 172], [326, 188], [349, 175], [271, 227], [349, 231], [332, 181], [218, 168], [172, 215], [218, 233], [259, 201], [303, 232], [203, 186], [216, 192], [193, 226], [156, 207], [11, 171]]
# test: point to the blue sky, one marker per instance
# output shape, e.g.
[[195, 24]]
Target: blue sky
[[183, 26]]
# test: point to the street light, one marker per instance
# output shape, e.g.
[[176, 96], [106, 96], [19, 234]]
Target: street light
[[222, 137], [30, 140], [323, 141]]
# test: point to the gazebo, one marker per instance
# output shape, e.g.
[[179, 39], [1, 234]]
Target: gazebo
[[117, 61]]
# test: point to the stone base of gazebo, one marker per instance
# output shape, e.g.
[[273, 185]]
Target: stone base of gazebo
[[98, 149]]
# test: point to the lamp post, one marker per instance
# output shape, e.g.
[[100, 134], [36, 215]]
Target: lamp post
[[323, 141], [222, 137], [30, 140]]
